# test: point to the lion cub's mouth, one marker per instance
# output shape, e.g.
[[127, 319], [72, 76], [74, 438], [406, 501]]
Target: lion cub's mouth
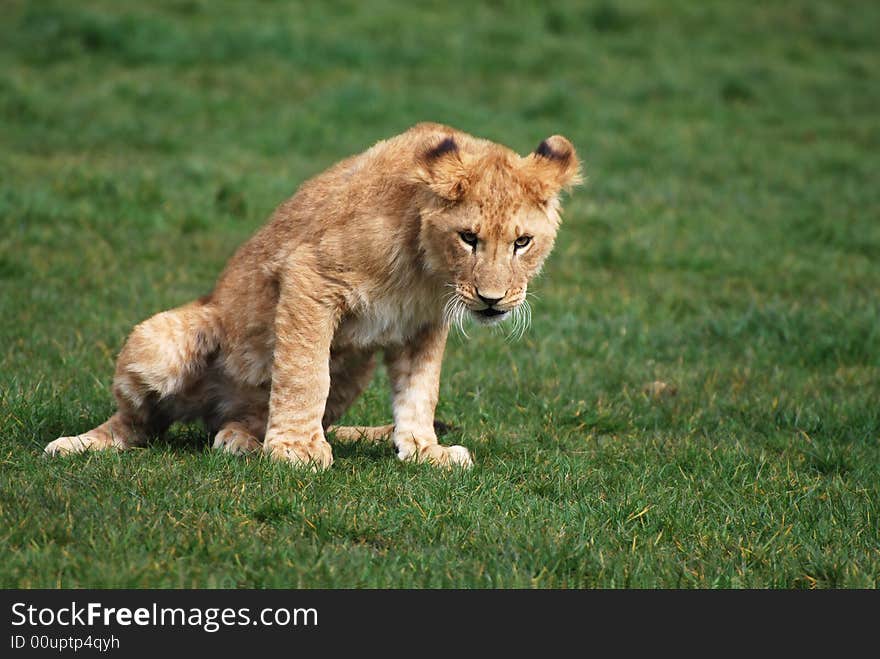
[[490, 316]]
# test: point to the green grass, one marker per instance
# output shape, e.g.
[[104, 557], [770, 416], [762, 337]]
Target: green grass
[[728, 242]]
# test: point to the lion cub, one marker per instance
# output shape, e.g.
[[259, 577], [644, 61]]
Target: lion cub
[[383, 251]]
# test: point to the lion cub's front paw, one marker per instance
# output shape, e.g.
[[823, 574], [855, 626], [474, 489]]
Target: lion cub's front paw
[[78, 444], [236, 442], [314, 454], [446, 456]]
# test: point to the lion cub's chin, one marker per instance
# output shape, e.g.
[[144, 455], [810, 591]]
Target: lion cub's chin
[[489, 319]]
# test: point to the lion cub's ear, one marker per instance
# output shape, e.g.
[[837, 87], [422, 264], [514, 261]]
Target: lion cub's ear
[[552, 166], [440, 167]]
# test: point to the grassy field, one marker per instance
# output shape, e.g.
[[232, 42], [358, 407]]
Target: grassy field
[[728, 243]]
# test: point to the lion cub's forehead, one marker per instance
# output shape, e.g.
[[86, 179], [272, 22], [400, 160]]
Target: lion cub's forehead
[[498, 193]]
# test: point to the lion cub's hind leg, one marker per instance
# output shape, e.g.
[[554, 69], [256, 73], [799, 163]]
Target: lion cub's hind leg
[[362, 433], [163, 356], [113, 433], [237, 438], [378, 433]]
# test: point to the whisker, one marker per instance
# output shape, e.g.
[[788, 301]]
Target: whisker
[[527, 312], [514, 324], [522, 321], [448, 308], [461, 310]]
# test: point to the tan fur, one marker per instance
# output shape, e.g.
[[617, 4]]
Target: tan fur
[[368, 256]]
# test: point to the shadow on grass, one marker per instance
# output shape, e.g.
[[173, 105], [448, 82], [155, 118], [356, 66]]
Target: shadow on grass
[[183, 438]]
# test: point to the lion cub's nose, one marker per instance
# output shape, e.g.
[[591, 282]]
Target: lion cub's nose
[[490, 301]]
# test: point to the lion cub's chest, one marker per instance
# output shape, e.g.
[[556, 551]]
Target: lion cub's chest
[[391, 319]]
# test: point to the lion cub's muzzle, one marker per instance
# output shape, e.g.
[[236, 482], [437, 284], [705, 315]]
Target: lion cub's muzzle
[[490, 307]]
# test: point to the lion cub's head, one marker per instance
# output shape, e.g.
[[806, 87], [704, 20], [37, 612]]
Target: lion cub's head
[[490, 218]]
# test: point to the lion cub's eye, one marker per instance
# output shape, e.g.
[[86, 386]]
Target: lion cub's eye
[[521, 242], [469, 238]]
